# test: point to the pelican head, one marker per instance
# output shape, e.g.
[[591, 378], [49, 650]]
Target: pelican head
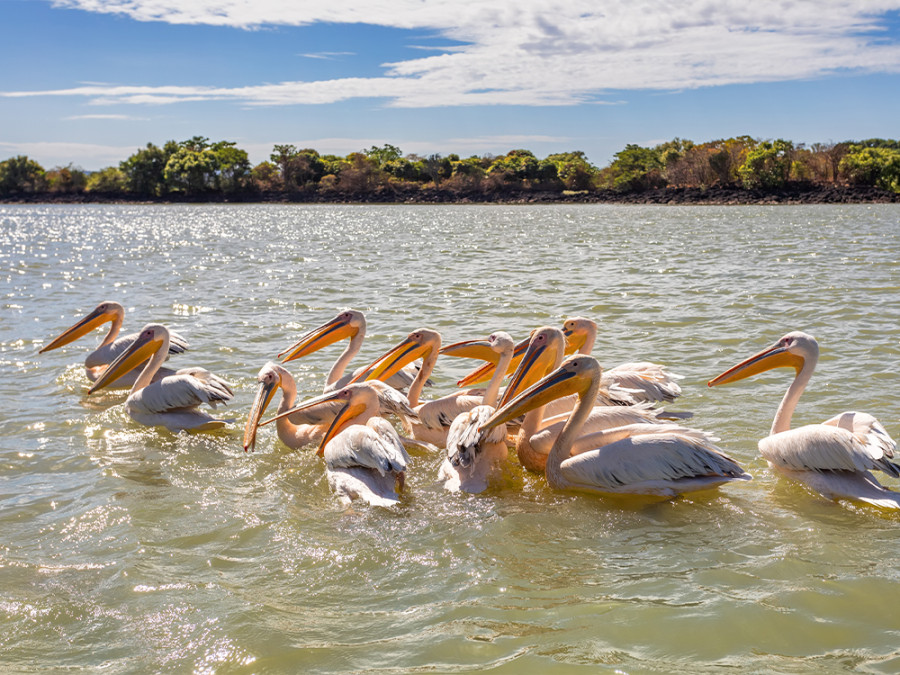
[[794, 350], [544, 348], [347, 324], [485, 372], [269, 381], [484, 350], [578, 331], [151, 339], [418, 344], [574, 376], [103, 313]]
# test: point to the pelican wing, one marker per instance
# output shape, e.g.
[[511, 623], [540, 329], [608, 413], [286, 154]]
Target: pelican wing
[[375, 445], [440, 414], [464, 442], [657, 460], [600, 419], [187, 388], [392, 401], [847, 442], [644, 381]]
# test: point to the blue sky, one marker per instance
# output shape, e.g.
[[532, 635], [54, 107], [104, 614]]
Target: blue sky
[[89, 82]]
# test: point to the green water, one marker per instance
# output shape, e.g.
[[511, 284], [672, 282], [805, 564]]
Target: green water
[[125, 549]]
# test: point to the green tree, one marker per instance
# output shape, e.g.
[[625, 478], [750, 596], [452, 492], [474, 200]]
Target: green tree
[[144, 170], [298, 167], [233, 167], [334, 164], [191, 171], [110, 180], [872, 165], [768, 165], [516, 165], [402, 168], [20, 175], [634, 169], [472, 167], [384, 154], [574, 170]]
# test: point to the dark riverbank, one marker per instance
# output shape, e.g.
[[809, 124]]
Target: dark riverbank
[[791, 194]]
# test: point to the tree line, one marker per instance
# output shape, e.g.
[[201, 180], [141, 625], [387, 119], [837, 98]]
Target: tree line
[[201, 169]]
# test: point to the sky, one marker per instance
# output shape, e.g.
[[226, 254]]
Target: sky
[[89, 82]]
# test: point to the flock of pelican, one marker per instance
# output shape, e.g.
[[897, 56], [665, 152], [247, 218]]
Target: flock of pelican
[[584, 428]]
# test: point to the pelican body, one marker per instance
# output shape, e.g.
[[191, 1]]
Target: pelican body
[[112, 345], [472, 459], [364, 456], [637, 459], [643, 381], [543, 424], [172, 401], [834, 458]]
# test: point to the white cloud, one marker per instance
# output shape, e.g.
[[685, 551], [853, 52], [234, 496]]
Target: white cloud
[[540, 52]]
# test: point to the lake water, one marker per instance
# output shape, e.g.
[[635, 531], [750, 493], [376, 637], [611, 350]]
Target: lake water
[[125, 549]]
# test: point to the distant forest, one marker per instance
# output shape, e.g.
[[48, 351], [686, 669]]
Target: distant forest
[[202, 170]]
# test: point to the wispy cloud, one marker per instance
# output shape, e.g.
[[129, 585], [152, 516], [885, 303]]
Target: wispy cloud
[[326, 56], [540, 52], [100, 116]]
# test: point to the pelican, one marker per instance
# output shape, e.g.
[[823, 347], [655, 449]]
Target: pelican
[[471, 459], [636, 459], [305, 427], [833, 458], [435, 416], [271, 378], [645, 382], [543, 424], [106, 352], [348, 324], [364, 456], [173, 401]]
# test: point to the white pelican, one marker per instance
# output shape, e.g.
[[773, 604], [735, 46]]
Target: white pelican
[[271, 378], [364, 456], [435, 416], [350, 323], [834, 458], [543, 424], [173, 401], [637, 459], [298, 429], [645, 382], [472, 459], [106, 352]]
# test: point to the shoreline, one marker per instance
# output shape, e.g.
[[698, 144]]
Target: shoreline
[[676, 196]]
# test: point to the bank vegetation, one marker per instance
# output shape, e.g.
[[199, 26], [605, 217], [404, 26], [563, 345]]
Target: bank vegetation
[[734, 170]]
